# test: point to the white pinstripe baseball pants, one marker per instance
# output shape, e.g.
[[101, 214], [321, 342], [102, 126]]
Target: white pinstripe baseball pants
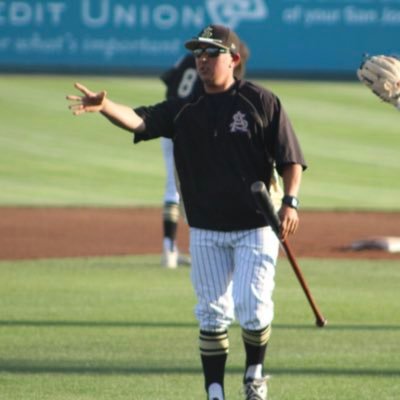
[[171, 193], [233, 276]]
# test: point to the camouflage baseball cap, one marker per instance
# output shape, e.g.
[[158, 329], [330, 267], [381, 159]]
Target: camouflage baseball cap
[[216, 35]]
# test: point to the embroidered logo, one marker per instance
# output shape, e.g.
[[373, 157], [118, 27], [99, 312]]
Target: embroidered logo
[[207, 33], [239, 123]]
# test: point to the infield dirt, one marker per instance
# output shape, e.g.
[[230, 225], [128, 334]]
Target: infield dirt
[[32, 233]]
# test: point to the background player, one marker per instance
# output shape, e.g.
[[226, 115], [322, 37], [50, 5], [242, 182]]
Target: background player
[[224, 141], [182, 82]]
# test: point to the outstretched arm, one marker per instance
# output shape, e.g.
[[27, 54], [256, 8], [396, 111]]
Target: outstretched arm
[[119, 114]]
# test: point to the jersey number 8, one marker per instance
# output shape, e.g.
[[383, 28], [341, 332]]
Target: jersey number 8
[[187, 83]]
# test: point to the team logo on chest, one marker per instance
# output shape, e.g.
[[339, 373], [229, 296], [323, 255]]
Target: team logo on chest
[[239, 123]]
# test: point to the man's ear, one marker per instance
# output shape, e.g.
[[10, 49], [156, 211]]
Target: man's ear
[[236, 58]]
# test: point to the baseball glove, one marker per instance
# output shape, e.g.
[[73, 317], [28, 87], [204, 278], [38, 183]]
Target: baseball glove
[[382, 75]]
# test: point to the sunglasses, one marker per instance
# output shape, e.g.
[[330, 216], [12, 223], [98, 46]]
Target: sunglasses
[[210, 51]]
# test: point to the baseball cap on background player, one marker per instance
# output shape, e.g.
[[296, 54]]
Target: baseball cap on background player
[[218, 36]]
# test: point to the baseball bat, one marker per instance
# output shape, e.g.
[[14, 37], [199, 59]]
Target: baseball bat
[[264, 204]]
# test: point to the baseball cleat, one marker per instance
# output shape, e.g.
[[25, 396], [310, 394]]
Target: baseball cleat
[[169, 259], [184, 260], [255, 389], [215, 392]]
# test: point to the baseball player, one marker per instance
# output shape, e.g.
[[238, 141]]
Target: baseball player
[[182, 82], [381, 74], [171, 257], [224, 140]]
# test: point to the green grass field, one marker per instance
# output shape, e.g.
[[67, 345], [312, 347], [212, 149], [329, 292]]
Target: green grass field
[[88, 329], [48, 157], [93, 329]]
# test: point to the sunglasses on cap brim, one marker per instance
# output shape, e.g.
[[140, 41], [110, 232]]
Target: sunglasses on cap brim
[[210, 51]]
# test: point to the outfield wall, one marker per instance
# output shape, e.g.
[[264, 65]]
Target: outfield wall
[[286, 37]]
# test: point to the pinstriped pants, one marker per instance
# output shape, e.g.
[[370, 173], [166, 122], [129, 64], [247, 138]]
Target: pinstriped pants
[[233, 277]]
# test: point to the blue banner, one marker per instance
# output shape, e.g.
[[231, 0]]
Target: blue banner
[[286, 37]]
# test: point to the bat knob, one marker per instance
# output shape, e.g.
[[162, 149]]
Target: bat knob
[[257, 186]]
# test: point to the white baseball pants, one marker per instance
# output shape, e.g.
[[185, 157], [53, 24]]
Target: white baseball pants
[[233, 276]]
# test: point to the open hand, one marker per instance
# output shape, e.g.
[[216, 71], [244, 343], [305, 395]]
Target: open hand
[[89, 102]]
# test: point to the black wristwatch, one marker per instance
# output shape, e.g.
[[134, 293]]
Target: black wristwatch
[[291, 201]]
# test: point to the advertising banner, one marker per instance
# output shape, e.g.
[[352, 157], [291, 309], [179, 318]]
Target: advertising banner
[[286, 37]]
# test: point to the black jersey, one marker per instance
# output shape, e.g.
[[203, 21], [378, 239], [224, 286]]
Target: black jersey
[[182, 80], [222, 144]]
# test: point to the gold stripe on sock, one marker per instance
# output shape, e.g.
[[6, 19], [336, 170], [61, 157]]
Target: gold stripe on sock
[[257, 338], [214, 344], [171, 212]]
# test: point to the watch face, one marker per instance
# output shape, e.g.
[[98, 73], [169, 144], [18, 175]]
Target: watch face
[[291, 201]]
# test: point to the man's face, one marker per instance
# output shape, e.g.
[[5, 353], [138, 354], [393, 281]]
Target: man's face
[[214, 65]]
